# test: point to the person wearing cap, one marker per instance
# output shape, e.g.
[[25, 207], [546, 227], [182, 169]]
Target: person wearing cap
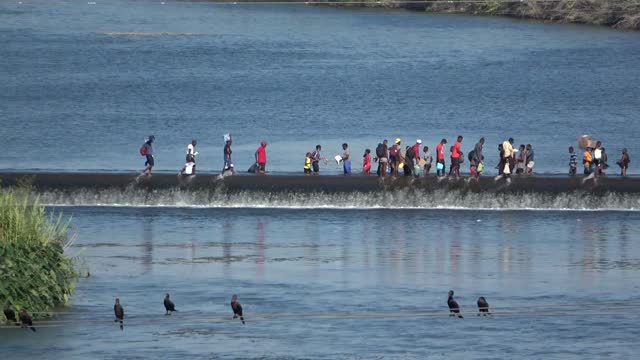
[[416, 150], [261, 157], [394, 158]]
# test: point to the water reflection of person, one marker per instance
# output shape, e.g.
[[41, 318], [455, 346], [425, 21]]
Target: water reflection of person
[[227, 238], [147, 241], [260, 237]]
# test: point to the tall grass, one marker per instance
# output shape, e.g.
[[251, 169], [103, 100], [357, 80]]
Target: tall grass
[[34, 271]]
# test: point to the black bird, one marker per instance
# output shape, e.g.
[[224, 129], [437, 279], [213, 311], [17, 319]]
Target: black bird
[[483, 306], [26, 321], [237, 308], [454, 308], [10, 314], [169, 306], [119, 311]]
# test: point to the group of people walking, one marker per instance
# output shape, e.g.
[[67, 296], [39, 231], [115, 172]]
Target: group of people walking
[[412, 160], [417, 160], [189, 168], [595, 160]]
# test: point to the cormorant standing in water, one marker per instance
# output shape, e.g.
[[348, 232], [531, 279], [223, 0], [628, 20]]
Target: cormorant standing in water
[[169, 306], [26, 321], [10, 314], [119, 312], [483, 306], [453, 306], [237, 308]]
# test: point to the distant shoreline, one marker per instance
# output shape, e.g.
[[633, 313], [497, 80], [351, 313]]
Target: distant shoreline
[[617, 14]]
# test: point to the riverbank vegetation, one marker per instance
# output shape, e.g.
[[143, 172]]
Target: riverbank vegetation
[[619, 14], [35, 274]]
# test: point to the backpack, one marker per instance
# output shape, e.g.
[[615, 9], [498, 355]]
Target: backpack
[[393, 150], [143, 150], [380, 151], [410, 153], [471, 155]]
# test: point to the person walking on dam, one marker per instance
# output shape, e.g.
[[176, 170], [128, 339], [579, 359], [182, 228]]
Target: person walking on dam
[[191, 151], [428, 159], [624, 162], [508, 158], [146, 150], [529, 160], [382, 157], [346, 159], [316, 156], [456, 158], [587, 161], [366, 162], [573, 162], [440, 165], [226, 154], [307, 164], [261, 158]]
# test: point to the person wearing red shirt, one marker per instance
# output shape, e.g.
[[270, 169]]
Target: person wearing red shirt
[[456, 156], [440, 166], [416, 150], [261, 157]]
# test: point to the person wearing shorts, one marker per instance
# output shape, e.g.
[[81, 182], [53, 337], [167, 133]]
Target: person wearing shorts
[[529, 160], [148, 152], [261, 157], [316, 157]]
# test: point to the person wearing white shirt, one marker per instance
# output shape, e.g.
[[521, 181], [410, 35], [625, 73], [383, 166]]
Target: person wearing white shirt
[[191, 150]]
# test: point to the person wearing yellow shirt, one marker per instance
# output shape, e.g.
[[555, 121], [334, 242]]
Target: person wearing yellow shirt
[[307, 163]]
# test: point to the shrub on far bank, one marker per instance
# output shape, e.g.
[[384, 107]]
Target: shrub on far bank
[[35, 274]]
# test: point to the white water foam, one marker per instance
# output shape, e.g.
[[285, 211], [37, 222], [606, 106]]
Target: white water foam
[[397, 199]]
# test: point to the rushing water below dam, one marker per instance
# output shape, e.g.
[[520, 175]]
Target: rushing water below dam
[[81, 85]]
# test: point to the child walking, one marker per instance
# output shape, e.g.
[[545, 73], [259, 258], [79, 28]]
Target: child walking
[[366, 162]]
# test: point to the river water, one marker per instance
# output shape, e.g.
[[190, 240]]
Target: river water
[[82, 85]]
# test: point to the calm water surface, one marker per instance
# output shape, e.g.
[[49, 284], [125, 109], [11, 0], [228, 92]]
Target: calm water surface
[[99, 78], [342, 284], [82, 85]]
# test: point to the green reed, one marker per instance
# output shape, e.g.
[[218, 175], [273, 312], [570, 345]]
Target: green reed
[[35, 273]]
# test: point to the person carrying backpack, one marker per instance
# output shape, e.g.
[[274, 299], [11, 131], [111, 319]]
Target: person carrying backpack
[[409, 158], [146, 150], [382, 157]]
